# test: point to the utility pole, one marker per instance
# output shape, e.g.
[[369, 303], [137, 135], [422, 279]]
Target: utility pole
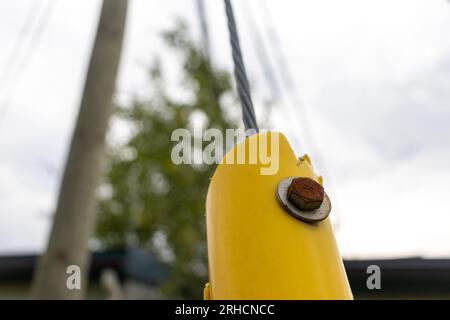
[[74, 219]]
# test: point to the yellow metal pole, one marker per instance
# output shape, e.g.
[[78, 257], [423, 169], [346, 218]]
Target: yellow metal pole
[[256, 249]]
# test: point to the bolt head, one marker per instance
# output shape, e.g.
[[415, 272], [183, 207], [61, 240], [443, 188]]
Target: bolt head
[[305, 193]]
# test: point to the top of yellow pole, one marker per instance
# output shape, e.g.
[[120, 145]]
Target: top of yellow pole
[[256, 249]]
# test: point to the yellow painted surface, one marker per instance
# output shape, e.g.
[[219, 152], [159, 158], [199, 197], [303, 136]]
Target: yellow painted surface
[[256, 249]]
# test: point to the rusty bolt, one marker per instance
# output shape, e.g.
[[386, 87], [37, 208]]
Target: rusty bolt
[[305, 193]]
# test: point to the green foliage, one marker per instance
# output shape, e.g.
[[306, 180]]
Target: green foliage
[[151, 202]]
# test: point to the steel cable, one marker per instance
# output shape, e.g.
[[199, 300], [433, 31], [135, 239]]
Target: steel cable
[[243, 88]]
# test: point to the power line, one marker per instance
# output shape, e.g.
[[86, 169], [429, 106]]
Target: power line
[[26, 58], [288, 82], [204, 28], [23, 33], [262, 55], [271, 78], [291, 86], [268, 70]]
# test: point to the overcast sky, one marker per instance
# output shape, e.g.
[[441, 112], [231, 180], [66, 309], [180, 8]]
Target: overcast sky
[[374, 77]]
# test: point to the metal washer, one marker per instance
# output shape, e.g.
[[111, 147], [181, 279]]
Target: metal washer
[[308, 216]]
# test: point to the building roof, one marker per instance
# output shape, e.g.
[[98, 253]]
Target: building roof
[[399, 277], [402, 277], [133, 264]]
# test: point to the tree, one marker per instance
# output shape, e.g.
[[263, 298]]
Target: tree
[[74, 220], [150, 202]]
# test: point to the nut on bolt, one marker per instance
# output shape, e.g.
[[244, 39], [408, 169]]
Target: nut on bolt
[[305, 193]]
